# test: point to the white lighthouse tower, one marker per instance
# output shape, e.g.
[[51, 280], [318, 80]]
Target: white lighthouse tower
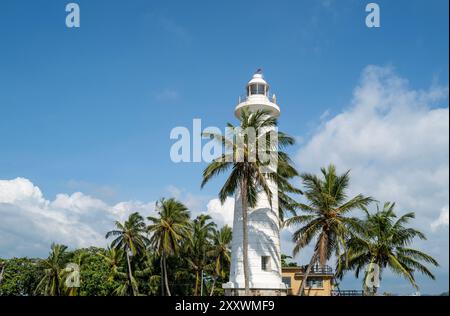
[[263, 223]]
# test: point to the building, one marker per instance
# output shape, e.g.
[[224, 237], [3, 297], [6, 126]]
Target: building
[[263, 223], [319, 282]]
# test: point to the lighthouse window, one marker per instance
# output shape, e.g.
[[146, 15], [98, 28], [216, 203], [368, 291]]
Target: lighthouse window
[[265, 263], [257, 89]]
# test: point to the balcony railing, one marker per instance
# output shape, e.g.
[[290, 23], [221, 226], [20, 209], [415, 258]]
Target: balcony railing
[[244, 97], [317, 269], [347, 293]]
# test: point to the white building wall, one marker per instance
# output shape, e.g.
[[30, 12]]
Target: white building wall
[[264, 240]]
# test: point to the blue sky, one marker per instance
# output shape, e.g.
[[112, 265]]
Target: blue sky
[[91, 109]]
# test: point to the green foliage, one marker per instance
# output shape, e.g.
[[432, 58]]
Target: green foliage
[[285, 261], [95, 274], [20, 276], [383, 239], [175, 255], [326, 221]]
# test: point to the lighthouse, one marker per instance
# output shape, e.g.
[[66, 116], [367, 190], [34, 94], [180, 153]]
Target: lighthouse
[[264, 256]]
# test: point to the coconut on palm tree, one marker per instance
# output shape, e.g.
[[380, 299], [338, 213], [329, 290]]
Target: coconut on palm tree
[[130, 236], [53, 266], [327, 220], [384, 240], [249, 157], [167, 231]]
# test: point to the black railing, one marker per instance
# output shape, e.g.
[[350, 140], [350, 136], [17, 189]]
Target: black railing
[[317, 269], [347, 293]]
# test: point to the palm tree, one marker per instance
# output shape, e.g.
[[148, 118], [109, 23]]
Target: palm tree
[[50, 284], [286, 171], [202, 229], [113, 258], [221, 254], [2, 271], [147, 273], [168, 230], [327, 218], [131, 238], [383, 240], [249, 176]]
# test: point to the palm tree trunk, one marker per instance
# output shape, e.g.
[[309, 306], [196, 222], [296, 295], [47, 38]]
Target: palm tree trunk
[[166, 278], [58, 290], [201, 285], [161, 263], [213, 285], [196, 284], [130, 277], [1, 273], [245, 235], [308, 270]]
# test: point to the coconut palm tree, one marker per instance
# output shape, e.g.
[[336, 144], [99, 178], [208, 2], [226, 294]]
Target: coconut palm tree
[[2, 271], [221, 254], [383, 240], [327, 220], [286, 204], [113, 258], [131, 238], [148, 273], [167, 232], [197, 246], [250, 173], [50, 284]]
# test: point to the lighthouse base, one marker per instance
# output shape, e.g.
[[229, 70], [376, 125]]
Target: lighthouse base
[[256, 292], [231, 290]]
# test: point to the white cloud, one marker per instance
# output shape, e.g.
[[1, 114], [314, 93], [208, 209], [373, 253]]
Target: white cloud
[[30, 223], [222, 214], [395, 140], [442, 220]]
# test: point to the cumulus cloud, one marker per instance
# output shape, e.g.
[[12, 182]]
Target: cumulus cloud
[[442, 220], [222, 213], [30, 222], [395, 140]]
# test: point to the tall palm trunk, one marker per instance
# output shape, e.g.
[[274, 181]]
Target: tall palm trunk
[[201, 284], [1, 273], [130, 276], [307, 272], [166, 278], [161, 263], [196, 284], [213, 286], [245, 235]]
